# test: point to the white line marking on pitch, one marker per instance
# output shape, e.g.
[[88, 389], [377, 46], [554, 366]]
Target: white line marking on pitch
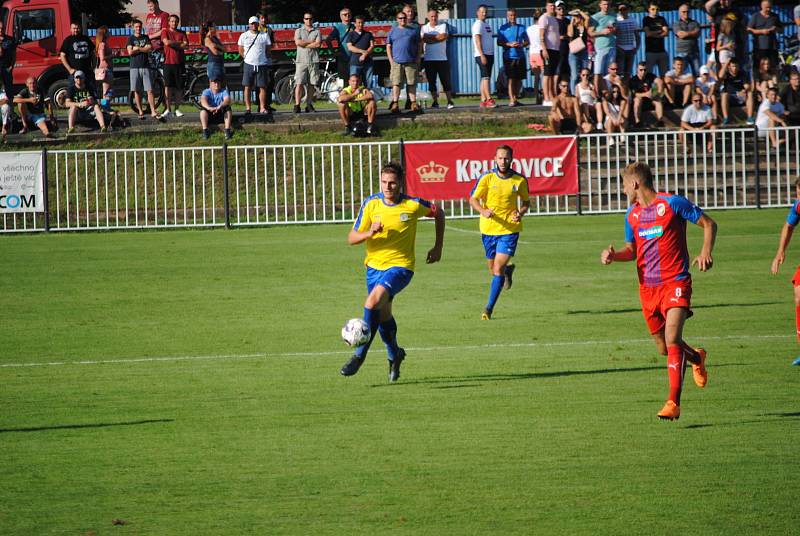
[[344, 352], [469, 231]]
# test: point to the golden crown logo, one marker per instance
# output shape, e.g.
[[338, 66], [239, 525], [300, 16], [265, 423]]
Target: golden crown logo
[[432, 172]]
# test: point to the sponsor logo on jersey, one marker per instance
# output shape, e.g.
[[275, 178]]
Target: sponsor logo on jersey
[[661, 209], [403, 217], [651, 232]]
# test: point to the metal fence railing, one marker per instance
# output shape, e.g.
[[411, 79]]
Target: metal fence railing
[[290, 184]]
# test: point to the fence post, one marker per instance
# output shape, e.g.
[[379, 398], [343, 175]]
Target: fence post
[[46, 200], [758, 166], [225, 186], [578, 197]]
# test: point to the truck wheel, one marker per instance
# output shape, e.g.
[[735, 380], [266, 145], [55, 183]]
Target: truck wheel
[[58, 93]]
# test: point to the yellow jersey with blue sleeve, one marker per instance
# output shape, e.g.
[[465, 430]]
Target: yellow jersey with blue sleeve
[[394, 245], [501, 195]]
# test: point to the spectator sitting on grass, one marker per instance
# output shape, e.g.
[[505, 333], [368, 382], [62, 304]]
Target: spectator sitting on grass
[[735, 89], [32, 106], [697, 117], [82, 101], [566, 112], [771, 114], [679, 83], [356, 103], [215, 108]]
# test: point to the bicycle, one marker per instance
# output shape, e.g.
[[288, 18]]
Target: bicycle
[[788, 57], [328, 88], [194, 78]]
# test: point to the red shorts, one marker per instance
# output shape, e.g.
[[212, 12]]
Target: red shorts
[[656, 301], [536, 61], [796, 278]]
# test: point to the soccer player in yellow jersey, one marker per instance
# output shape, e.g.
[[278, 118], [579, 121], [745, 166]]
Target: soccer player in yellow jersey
[[387, 222], [501, 198]]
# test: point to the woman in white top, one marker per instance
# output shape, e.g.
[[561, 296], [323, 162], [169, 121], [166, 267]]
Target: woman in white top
[[616, 110], [535, 55], [591, 107]]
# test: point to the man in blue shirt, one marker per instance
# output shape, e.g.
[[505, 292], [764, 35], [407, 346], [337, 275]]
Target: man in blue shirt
[[341, 31], [404, 49], [215, 103], [513, 39]]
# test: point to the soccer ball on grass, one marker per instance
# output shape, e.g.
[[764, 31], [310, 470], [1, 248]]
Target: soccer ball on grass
[[355, 332]]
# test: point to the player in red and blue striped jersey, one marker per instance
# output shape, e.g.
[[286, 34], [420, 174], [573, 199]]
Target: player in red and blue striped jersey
[[387, 222], [655, 236], [786, 235]]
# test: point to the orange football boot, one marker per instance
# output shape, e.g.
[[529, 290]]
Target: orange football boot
[[670, 411], [699, 372]]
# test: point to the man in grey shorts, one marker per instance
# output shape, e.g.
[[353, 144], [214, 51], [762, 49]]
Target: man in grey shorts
[[139, 48], [254, 49], [308, 41]]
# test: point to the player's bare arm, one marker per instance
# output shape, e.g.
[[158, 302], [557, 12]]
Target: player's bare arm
[[704, 260], [780, 256], [356, 237], [479, 208], [610, 255], [435, 254]]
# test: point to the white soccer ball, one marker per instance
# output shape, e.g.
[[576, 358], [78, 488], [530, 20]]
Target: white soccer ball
[[355, 332]]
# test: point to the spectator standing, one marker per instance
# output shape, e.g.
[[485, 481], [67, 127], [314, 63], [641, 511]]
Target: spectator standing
[[155, 22], [215, 67], [5, 113], [697, 117], [104, 72], [535, 56], [721, 10], [790, 97], [215, 108], [139, 47], [434, 39], [627, 41], [511, 37], [253, 46], [264, 27], [578, 51], [550, 37], [361, 43], [602, 27], [726, 44], [679, 83], [411, 16], [655, 33], [764, 26], [340, 33], [308, 41], [175, 43], [356, 102], [687, 32], [562, 69], [797, 19], [8, 56], [735, 88], [645, 94], [33, 106], [404, 48], [483, 46], [77, 53], [82, 101], [771, 114]]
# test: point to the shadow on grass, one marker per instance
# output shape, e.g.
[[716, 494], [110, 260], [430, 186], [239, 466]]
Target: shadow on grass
[[79, 426], [637, 310], [755, 421]]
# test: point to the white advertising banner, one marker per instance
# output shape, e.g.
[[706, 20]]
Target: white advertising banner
[[21, 182]]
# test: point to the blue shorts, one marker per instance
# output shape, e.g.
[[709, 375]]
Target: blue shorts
[[394, 279], [37, 118], [506, 244]]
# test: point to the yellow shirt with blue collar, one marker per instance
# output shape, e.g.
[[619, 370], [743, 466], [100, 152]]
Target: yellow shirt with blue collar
[[394, 245], [501, 195]]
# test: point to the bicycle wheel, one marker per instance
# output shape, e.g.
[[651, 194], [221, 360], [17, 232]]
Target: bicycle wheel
[[331, 87], [284, 89], [158, 96], [196, 87]]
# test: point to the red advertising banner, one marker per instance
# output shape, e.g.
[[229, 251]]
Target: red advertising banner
[[448, 170]]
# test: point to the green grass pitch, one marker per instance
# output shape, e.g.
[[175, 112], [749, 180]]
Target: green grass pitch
[[187, 382]]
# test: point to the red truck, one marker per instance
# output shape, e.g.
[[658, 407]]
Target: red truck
[[40, 26]]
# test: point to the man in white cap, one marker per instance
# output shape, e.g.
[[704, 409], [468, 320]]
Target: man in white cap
[[254, 49]]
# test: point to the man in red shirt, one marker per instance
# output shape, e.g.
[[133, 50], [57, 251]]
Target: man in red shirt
[[655, 237], [155, 21], [175, 42]]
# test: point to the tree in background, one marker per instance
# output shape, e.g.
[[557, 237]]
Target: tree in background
[[111, 13]]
